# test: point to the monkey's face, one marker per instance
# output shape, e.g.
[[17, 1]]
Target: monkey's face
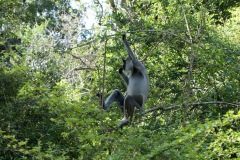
[[127, 64]]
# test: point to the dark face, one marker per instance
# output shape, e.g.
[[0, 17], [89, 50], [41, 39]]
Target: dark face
[[127, 64]]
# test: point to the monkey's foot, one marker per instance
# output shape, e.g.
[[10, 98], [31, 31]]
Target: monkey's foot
[[123, 123]]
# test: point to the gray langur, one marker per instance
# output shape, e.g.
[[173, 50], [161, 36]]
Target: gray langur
[[137, 87]]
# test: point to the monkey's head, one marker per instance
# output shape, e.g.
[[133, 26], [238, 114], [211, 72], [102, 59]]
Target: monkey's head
[[127, 64]]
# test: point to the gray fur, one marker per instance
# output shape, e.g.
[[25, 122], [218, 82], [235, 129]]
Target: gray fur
[[137, 86]]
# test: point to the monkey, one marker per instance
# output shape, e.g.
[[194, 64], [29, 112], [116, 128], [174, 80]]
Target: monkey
[[137, 87]]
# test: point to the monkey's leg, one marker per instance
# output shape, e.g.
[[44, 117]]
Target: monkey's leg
[[115, 96], [138, 100], [129, 104]]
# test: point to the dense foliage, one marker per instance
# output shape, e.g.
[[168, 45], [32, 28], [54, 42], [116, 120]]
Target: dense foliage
[[53, 64]]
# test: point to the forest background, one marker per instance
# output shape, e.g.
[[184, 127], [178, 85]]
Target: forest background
[[52, 65]]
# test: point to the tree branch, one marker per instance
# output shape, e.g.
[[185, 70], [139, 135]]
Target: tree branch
[[104, 68], [195, 104], [84, 68], [162, 31], [187, 88], [162, 108], [78, 69], [213, 102]]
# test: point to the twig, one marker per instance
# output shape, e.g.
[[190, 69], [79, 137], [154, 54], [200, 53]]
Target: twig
[[145, 57], [100, 19], [80, 45], [78, 57], [78, 69]]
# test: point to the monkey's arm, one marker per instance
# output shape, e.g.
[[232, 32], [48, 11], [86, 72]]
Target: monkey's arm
[[135, 62], [123, 75], [127, 46]]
